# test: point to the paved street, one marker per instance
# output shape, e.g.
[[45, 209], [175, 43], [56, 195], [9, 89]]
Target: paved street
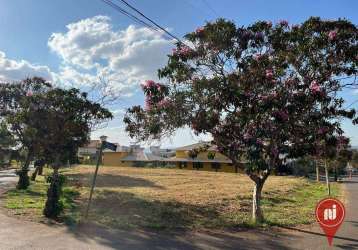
[[7, 179], [17, 234]]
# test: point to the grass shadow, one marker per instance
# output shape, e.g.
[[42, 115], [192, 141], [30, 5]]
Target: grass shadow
[[127, 210], [109, 180]]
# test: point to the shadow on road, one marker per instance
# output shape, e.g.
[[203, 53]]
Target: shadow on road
[[318, 234], [178, 239]]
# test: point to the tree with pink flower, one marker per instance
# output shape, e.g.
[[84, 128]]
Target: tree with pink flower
[[259, 110]]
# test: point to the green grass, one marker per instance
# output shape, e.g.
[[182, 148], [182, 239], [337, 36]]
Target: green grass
[[30, 202], [298, 206]]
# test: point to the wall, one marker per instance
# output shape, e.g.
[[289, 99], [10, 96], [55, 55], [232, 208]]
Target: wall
[[224, 167], [114, 158]]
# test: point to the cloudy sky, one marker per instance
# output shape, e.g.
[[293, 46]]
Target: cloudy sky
[[74, 43]]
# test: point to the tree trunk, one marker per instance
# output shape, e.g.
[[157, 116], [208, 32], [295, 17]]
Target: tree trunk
[[259, 181], [327, 177], [41, 168], [53, 207], [24, 180], [317, 171], [257, 215], [34, 174]]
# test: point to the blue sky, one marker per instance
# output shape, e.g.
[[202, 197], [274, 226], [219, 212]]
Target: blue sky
[[73, 42]]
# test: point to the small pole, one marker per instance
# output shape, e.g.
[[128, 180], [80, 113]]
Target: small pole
[[317, 170], [95, 175], [327, 178]]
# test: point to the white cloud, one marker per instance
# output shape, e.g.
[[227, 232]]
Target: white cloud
[[13, 70], [92, 48], [119, 112], [69, 76]]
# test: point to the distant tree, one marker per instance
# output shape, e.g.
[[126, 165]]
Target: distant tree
[[340, 163], [263, 92], [330, 149], [19, 108], [49, 123], [355, 158], [6, 143], [69, 116]]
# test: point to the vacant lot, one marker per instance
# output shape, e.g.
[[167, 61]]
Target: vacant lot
[[128, 197]]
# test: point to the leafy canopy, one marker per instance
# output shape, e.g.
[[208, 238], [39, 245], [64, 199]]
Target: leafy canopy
[[47, 120], [263, 92]]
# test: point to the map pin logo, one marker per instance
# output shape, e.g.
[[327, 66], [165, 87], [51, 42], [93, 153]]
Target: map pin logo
[[330, 215]]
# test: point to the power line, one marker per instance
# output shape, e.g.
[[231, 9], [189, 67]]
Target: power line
[[203, 11], [150, 20], [131, 16], [210, 8]]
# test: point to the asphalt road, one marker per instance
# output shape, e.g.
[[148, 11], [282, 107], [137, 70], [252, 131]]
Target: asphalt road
[[18, 234], [7, 179]]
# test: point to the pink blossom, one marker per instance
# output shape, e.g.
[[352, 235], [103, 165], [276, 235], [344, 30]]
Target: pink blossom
[[332, 34], [257, 57], [322, 130], [195, 79], [185, 51], [269, 73], [269, 23], [264, 97], [148, 104], [314, 87], [274, 151], [199, 30], [247, 94], [259, 35], [29, 93], [259, 142], [282, 115], [159, 86], [342, 141], [274, 95], [164, 103], [148, 84], [283, 23], [174, 51], [295, 26], [247, 34], [247, 136], [289, 81]]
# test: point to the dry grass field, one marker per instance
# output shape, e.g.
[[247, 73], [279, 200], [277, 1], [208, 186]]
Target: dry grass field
[[128, 197]]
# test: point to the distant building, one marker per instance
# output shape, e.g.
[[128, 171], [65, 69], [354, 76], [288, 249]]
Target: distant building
[[135, 155], [207, 159], [164, 153], [88, 153]]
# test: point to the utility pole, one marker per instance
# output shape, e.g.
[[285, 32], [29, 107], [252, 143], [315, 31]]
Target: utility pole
[[99, 156]]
